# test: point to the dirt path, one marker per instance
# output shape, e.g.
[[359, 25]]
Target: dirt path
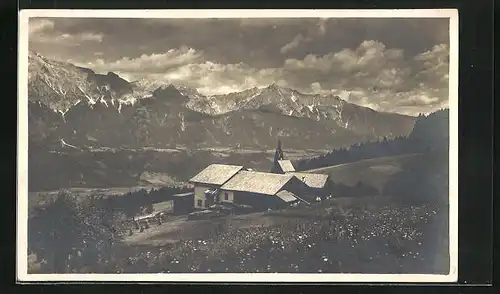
[[180, 229]]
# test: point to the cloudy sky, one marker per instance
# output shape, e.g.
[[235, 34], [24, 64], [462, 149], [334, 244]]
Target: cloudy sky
[[396, 65]]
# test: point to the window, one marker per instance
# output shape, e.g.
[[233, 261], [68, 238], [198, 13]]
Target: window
[[200, 203], [226, 196]]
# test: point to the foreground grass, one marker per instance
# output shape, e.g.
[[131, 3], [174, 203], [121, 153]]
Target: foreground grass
[[336, 237]]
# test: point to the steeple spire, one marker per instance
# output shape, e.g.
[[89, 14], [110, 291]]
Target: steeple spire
[[278, 155], [279, 152]]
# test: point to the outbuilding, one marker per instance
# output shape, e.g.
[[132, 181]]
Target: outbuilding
[[183, 203]]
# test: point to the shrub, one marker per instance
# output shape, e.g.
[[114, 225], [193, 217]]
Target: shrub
[[70, 232]]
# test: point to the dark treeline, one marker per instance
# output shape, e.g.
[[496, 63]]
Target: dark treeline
[[356, 152], [430, 132]]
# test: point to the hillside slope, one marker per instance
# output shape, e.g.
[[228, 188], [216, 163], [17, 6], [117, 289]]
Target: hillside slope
[[410, 178], [430, 133], [374, 172]]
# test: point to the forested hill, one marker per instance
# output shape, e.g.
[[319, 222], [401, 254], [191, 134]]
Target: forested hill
[[431, 132]]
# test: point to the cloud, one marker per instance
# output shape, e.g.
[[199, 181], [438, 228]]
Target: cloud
[[388, 64], [294, 43], [255, 41], [274, 22], [188, 67], [371, 64], [67, 39], [149, 64], [316, 87], [422, 99], [39, 25], [371, 75], [317, 31], [377, 76], [82, 37], [410, 102], [322, 22], [432, 66], [211, 78], [44, 31]]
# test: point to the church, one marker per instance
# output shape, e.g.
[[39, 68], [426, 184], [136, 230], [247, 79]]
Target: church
[[280, 165], [316, 182], [235, 184]]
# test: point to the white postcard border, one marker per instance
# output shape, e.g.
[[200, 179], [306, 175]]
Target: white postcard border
[[22, 159]]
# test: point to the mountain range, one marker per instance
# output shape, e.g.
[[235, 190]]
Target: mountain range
[[76, 106]]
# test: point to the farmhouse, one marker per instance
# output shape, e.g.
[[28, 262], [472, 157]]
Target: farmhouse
[[208, 181], [233, 184], [263, 190]]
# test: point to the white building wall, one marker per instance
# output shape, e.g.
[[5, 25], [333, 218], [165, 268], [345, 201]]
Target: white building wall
[[199, 194], [230, 196]]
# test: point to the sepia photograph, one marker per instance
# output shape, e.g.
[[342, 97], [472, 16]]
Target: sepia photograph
[[238, 145]]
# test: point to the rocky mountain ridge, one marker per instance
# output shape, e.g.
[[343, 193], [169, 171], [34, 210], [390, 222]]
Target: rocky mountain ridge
[[89, 109]]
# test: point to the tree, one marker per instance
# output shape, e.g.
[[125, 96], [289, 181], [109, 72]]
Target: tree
[[149, 208], [70, 233], [56, 228]]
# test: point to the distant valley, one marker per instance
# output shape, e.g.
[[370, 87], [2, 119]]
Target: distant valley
[[99, 130]]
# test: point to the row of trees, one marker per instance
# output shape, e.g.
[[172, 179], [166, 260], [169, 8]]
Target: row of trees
[[356, 152], [133, 203]]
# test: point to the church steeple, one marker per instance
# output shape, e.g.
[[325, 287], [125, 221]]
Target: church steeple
[[279, 152], [278, 155]]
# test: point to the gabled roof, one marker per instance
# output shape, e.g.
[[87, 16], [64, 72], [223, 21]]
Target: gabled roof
[[286, 165], [216, 174], [286, 196], [312, 180], [257, 182]]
